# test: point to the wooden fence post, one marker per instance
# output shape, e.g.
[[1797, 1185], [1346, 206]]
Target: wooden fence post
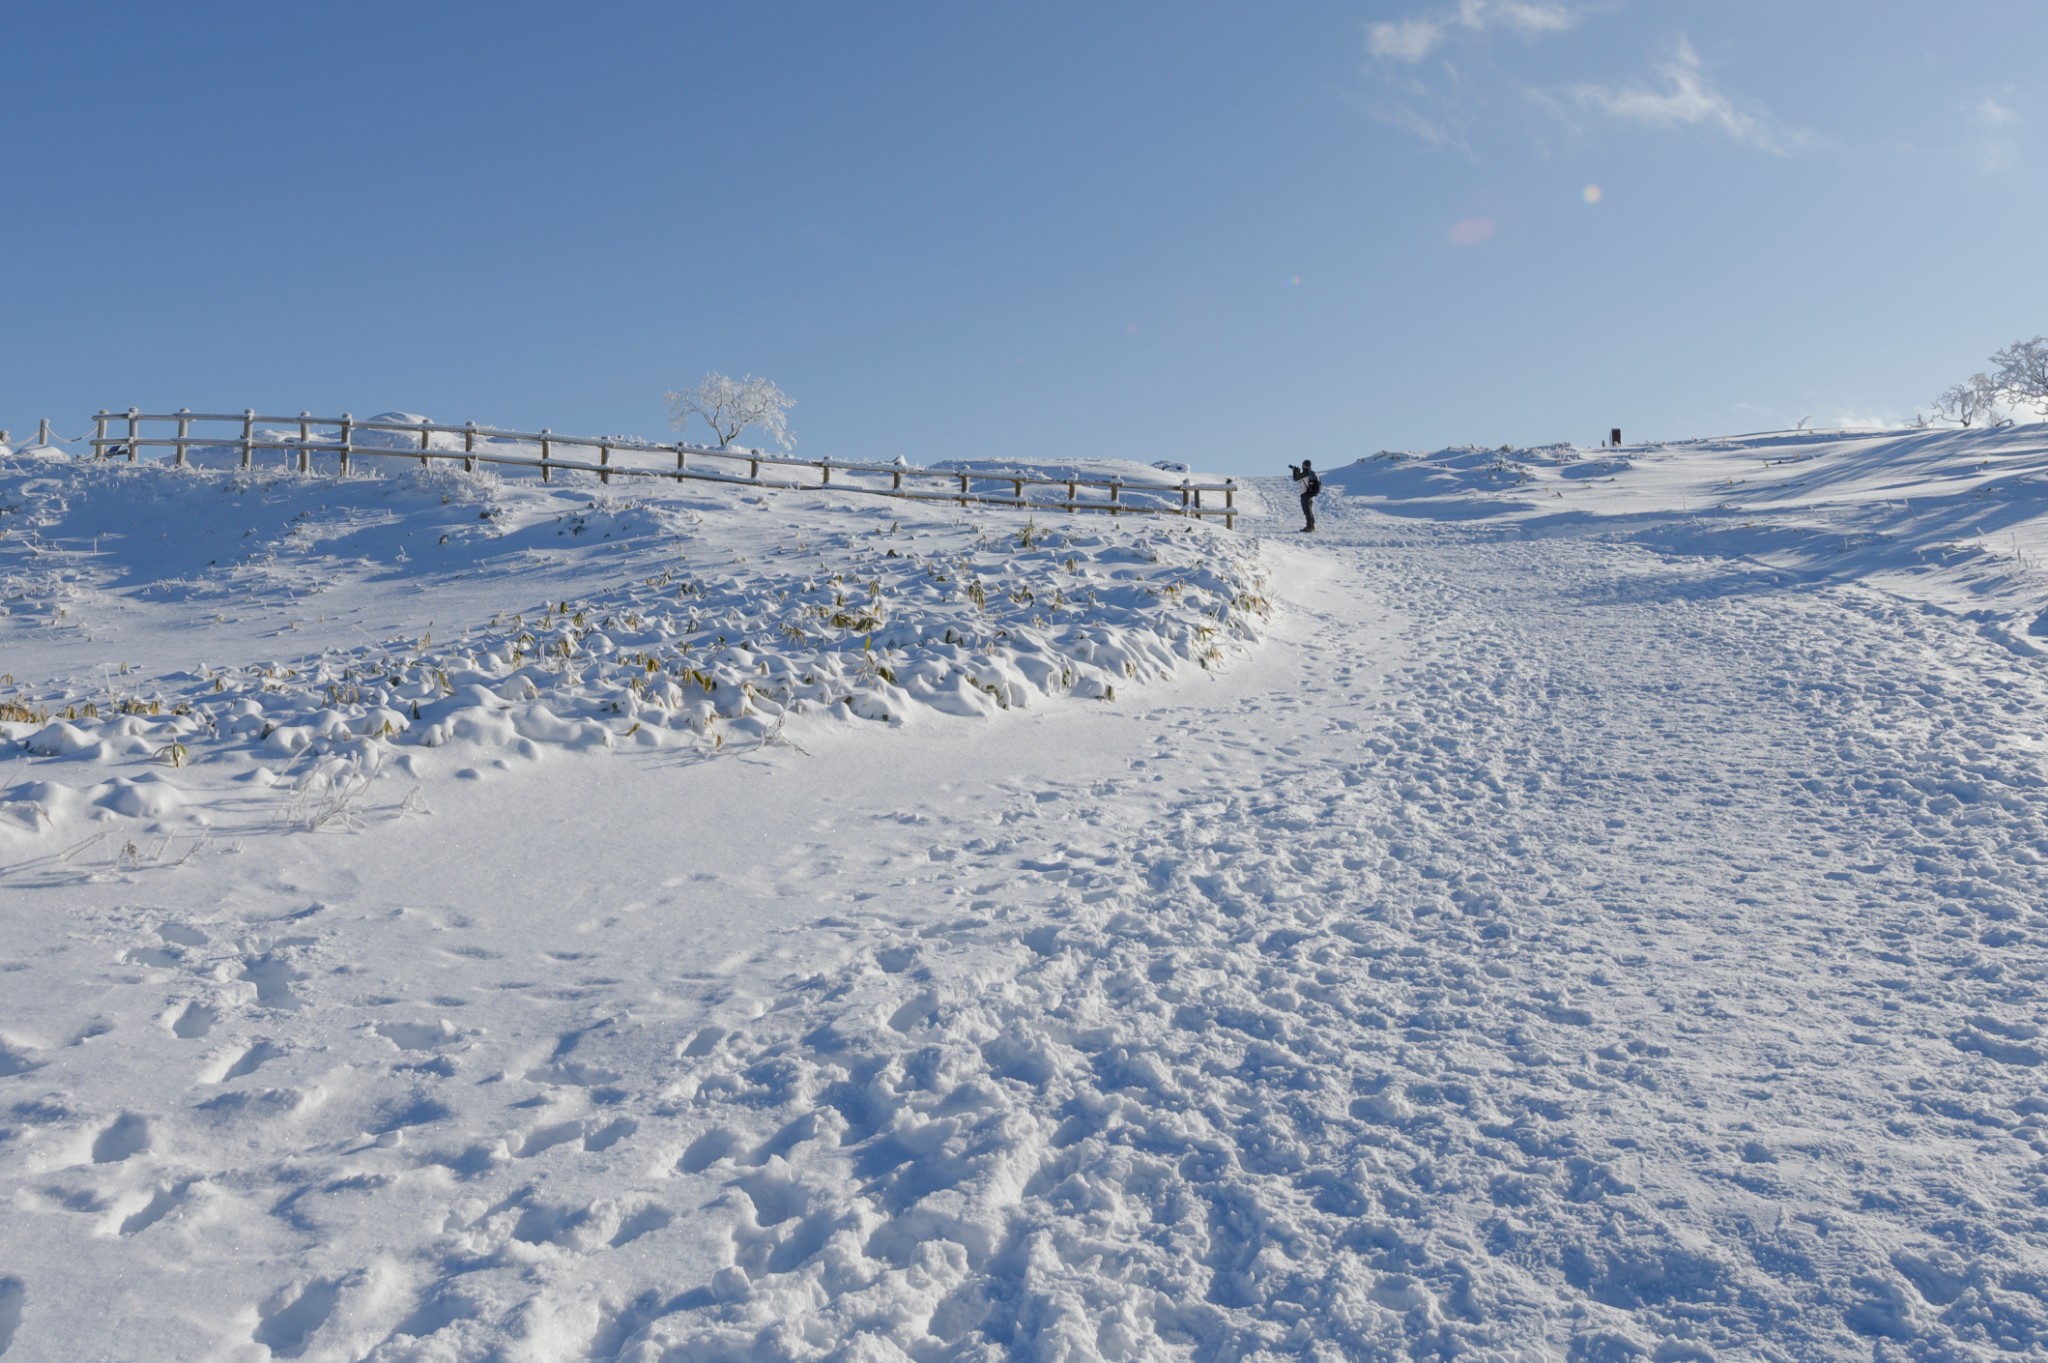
[[134, 431], [348, 422], [305, 434], [423, 444], [754, 469], [1017, 488], [43, 432], [825, 467], [184, 429], [604, 464], [682, 457], [1183, 496], [896, 480], [963, 489], [99, 434], [1230, 503], [546, 473], [469, 447], [1070, 496], [248, 435], [1116, 497]]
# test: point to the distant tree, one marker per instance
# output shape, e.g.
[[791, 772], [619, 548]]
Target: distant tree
[[728, 406], [1970, 401], [2023, 373]]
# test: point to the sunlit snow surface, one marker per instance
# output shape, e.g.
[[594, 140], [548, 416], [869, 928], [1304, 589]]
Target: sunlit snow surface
[[1599, 920], [261, 606]]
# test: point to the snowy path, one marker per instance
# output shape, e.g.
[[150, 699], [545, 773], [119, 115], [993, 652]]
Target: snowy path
[[1546, 949]]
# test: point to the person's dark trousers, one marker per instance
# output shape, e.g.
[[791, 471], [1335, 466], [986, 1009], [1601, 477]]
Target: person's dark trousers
[[1308, 510]]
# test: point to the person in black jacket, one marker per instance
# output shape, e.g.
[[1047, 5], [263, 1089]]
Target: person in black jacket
[[1311, 488]]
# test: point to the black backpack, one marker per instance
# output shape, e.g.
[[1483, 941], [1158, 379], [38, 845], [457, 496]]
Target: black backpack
[[1313, 486]]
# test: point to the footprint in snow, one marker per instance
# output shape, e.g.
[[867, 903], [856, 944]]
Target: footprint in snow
[[273, 979], [921, 1009], [547, 1138], [287, 1325], [643, 1222], [707, 1150], [15, 1061], [436, 1311], [610, 1134], [162, 1202], [251, 1060], [13, 1298], [128, 1135], [195, 1022], [419, 1036]]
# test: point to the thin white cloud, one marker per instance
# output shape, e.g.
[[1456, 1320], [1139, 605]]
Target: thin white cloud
[[1685, 98], [1439, 104], [1524, 16], [1404, 40], [1997, 145], [1413, 39], [1437, 132], [1995, 113]]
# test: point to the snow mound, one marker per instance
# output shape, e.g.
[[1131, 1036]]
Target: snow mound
[[691, 622]]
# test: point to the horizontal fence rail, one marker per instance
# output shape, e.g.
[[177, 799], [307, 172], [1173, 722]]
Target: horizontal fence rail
[[306, 437]]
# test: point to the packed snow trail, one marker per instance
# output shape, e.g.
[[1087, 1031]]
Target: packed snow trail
[[1548, 949]]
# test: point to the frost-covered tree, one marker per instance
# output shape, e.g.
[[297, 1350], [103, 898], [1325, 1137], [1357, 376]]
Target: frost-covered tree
[[728, 406], [1969, 401], [2023, 373]]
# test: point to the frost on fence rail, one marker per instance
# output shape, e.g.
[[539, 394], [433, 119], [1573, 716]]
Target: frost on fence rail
[[305, 438]]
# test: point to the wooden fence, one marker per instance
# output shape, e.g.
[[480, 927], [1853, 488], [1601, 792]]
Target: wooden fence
[[344, 438]]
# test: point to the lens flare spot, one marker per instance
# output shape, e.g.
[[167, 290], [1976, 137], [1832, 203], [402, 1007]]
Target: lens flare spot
[[1472, 231], [1294, 281], [1591, 193]]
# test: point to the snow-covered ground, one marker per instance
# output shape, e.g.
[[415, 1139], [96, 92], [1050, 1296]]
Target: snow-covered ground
[[1950, 517], [1595, 915]]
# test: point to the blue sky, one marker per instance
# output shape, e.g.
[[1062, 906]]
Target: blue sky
[[1221, 232]]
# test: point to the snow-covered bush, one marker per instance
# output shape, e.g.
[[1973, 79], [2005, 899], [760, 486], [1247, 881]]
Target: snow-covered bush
[[2023, 373], [1969, 401], [728, 406]]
